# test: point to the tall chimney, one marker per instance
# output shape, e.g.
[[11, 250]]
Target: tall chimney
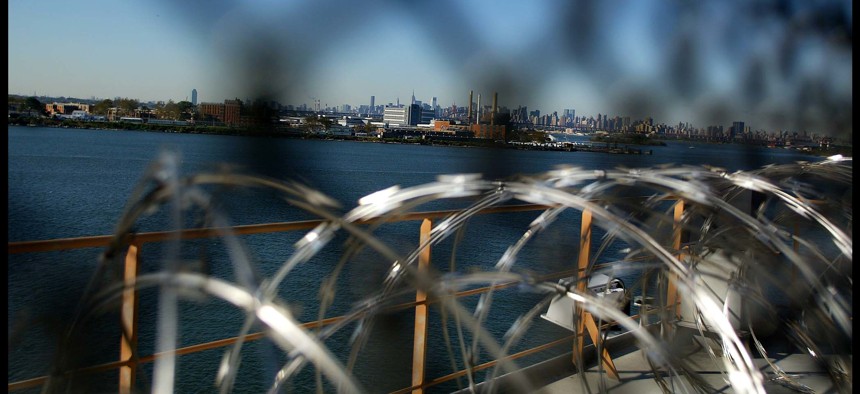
[[495, 108], [478, 112], [469, 115]]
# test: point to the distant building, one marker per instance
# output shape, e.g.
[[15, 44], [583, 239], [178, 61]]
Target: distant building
[[350, 121], [228, 113], [339, 130], [737, 129], [491, 132], [80, 114], [427, 114], [395, 115], [400, 115], [65, 108], [211, 110], [194, 96], [441, 125], [232, 112]]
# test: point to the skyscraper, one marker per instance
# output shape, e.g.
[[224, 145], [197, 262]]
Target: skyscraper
[[413, 114], [737, 129], [372, 104], [570, 114], [193, 96]]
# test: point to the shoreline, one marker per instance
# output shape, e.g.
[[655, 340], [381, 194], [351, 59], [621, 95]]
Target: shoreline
[[611, 146]]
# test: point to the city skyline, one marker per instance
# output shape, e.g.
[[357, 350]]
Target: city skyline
[[712, 63], [356, 110], [542, 121]]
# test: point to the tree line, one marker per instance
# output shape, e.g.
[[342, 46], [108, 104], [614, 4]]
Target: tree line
[[182, 110]]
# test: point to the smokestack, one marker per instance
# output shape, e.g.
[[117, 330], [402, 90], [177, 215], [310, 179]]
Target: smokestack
[[469, 115], [495, 108], [478, 117]]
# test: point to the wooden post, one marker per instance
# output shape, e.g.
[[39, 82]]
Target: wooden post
[[672, 298], [581, 280], [605, 358], [128, 319], [419, 345], [585, 321]]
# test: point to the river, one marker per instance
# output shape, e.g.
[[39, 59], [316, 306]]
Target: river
[[74, 182]]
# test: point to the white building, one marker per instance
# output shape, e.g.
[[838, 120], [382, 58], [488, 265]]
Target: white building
[[79, 114], [401, 115], [339, 130]]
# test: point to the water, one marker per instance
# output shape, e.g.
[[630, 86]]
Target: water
[[55, 174], [70, 183]]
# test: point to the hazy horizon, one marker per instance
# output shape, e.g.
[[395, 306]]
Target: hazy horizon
[[773, 65]]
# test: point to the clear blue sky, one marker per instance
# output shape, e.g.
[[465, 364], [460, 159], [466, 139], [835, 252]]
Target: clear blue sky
[[774, 65]]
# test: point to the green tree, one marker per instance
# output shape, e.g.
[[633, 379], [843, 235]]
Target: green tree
[[33, 104], [128, 106], [185, 106], [186, 110], [102, 107], [313, 122], [170, 110], [145, 112]]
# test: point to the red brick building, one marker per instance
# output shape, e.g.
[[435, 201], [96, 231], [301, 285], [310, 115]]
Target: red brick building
[[232, 112], [66, 108], [228, 113], [492, 132]]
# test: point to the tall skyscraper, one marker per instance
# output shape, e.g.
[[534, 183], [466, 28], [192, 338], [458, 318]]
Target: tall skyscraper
[[737, 128], [372, 104], [570, 114], [193, 96], [413, 113]]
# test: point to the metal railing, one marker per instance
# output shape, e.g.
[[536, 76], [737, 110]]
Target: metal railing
[[129, 360]]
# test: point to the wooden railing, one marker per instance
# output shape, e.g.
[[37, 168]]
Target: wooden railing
[[129, 360]]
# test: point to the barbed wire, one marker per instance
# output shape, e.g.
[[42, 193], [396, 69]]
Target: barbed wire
[[748, 236]]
